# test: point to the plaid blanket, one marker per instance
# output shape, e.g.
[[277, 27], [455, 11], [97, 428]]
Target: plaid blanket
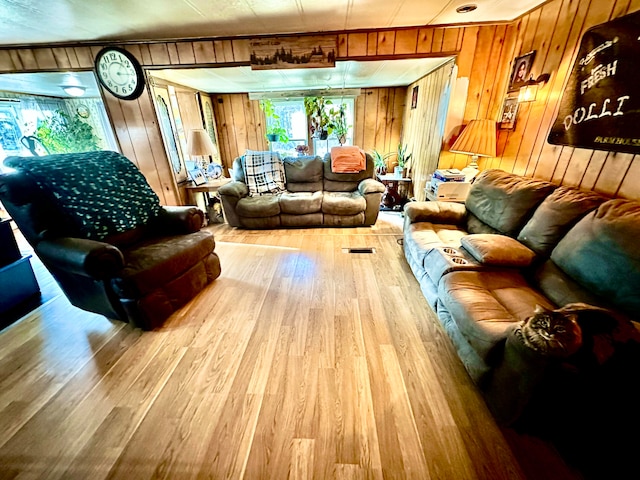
[[263, 172]]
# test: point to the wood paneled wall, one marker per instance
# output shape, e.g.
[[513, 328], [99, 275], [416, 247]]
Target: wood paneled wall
[[484, 56], [378, 121], [554, 32], [424, 124]]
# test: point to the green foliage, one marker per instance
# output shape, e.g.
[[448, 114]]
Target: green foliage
[[402, 156], [319, 115], [339, 121], [380, 159], [274, 124], [61, 133]]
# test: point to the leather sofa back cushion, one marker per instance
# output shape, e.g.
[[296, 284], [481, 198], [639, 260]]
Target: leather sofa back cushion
[[351, 178], [555, 216], [602, 253], [303, 174], [504, 201], [498, 250]]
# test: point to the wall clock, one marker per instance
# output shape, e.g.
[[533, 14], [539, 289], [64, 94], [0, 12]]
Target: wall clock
[[120, 73]]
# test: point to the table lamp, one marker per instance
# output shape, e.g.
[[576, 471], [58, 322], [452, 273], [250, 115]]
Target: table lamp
[[199, 144], [478, 139]]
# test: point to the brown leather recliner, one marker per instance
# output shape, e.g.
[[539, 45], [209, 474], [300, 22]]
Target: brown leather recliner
[[100, 230]]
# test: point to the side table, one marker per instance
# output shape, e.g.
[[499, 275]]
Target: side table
[[207, 189], [392, 199]]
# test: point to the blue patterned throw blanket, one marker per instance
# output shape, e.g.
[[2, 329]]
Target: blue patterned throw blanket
[[263, 172], [101, 192]]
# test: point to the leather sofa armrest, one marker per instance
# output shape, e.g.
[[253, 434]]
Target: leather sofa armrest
[[370, 185], [450, 213], [178, 220], [234, 189], [514, 380], [90, 258]]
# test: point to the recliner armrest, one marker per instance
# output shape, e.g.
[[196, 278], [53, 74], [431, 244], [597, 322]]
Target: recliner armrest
[[370, 185], [90, 258], [178, 220], [449, 213], [234, 189]]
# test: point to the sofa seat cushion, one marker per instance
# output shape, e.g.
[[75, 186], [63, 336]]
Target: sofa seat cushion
[[301, 203], [306, 220], [259, 206], [487, 304], [152, 264], [343, 203]]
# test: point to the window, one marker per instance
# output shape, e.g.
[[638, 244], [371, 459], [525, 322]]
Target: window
[[294, 120]]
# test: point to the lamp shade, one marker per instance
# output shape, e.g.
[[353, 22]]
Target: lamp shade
[[478, 138], [199, 143]]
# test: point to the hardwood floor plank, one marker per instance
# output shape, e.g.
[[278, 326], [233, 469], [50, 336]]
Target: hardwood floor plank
[[300, 361]]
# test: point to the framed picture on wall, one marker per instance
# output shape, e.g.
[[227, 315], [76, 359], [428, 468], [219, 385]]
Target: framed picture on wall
[[509, 113], [521, 70]]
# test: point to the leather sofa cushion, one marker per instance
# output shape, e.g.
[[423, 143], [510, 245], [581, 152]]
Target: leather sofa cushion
[[259, 206], [555, 216], [154, 263], [343, 203], [505, 201], [350, 178], [303, 169], [486, 305], [301, 203], [498, 250], [602, 253], [297, 220]]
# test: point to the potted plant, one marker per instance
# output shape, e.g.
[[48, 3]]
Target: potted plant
[[321, 125], [275, 131], [339, 122], [380, 161], [404, 160]]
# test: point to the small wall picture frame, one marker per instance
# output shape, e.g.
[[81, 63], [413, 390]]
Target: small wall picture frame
[[197, 176], [521, 70], [509, 113], [414, 97]]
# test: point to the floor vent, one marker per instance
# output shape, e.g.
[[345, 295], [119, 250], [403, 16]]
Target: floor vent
[[359, 250]]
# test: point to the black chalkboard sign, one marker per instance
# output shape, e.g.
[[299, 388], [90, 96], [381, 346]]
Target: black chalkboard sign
[[600, 108]]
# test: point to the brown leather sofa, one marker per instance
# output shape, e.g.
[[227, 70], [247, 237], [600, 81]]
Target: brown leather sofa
[[99, 229], [315, 196], [519, 242]]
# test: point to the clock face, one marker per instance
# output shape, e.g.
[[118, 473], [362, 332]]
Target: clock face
[[120, 73]]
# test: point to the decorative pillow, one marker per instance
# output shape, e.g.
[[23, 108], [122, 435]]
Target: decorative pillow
[[263, 172], [103, 193], [491, 249]]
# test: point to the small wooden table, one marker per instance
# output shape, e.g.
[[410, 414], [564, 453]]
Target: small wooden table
[[207, 189], [211, 186], [392, 199]]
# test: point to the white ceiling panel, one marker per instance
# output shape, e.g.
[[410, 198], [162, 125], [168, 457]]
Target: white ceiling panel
[[37, 21], [388, 73]]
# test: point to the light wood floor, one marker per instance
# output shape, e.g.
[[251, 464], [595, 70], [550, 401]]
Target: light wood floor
[[300, 361]]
